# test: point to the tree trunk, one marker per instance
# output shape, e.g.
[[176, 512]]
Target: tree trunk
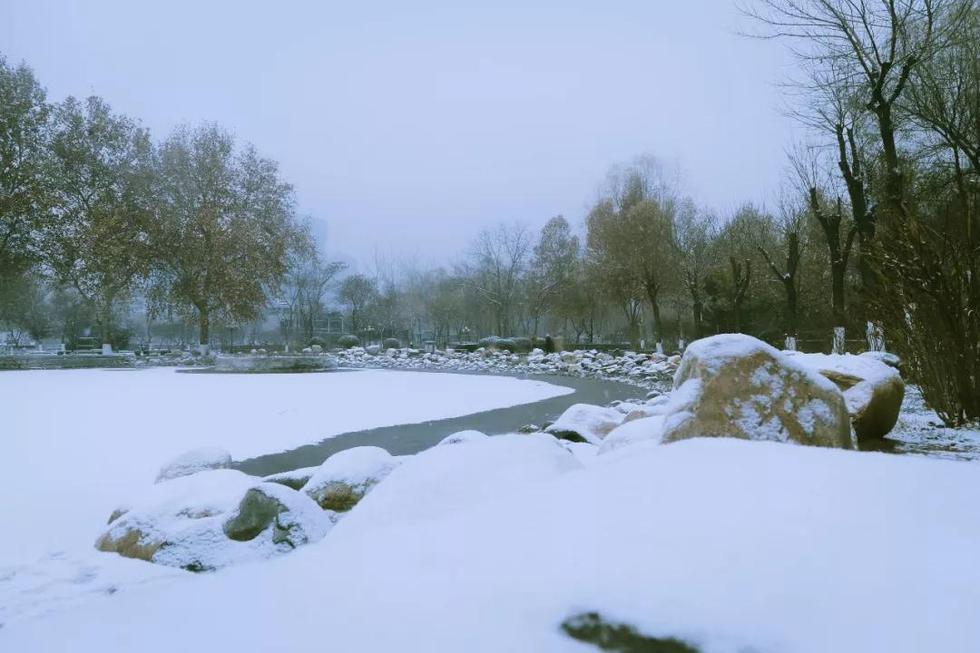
[[204, 327], [658, 326], [837, 270]]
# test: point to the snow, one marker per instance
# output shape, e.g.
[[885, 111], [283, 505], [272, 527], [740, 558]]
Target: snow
[[194, 461], [77, 443], [716, 351], [592, 423], [489, 545], [866, 371]]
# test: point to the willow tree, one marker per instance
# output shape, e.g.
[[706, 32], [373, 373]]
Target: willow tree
[[226, 227]]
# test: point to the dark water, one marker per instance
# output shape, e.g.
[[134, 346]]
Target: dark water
[[412, 438]]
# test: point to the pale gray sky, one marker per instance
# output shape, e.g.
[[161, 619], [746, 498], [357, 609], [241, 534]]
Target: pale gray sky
[[409, 126]]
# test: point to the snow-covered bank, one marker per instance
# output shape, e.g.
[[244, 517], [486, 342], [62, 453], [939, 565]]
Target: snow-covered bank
[[489, 544], [641, 369], [76, 442]]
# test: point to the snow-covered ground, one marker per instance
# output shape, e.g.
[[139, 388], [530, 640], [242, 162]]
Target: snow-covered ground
[[489, 545], [481, 544], [76, 443]]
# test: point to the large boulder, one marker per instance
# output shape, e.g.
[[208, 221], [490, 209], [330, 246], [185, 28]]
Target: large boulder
[[586, 423], [736, 386], [873, 389], [194, 461], [345, 477], [213, 519]]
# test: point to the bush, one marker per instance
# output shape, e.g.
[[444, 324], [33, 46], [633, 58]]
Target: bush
[[549, 345], [522, 345], [506, 344], [489, 341], [348, 341], [316, 341], [391, 343]]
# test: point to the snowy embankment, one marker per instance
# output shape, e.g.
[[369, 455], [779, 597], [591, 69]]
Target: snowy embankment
[[644, 370], [74, 443], [491, 544]]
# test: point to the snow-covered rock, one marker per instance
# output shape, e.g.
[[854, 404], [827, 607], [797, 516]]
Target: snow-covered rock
[[586, 423], [212, 519], [736, 386], [345, 477], [295, 478], [194, 461], [463, 436], [638, 430], [443, 480], [873, 390]]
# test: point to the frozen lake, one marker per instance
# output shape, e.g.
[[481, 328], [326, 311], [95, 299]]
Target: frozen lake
[[76, 443]]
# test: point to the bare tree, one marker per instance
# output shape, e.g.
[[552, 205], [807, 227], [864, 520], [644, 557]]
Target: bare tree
[[499, 258], [695, 232], [871, 49], [357, 292]]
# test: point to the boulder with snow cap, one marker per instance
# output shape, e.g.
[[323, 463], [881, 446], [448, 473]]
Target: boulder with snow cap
[[586, 423], [463, 436], [736, 386], [873, 390], [213, 519], [294, 478], [345, 477], [194, 461]]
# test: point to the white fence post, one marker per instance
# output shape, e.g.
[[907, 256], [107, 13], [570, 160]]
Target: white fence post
[[876, 337], [838, 340]]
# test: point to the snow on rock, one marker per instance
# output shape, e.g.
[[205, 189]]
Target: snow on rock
[[873, 389], [442, 480], [295, 478], [194, 461], [345, 477], [637, 430], [584, 452], [736, 386], [212, 519], [463, 436], [586, 423]]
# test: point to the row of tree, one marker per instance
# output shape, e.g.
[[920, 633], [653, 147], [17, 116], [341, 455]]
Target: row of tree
[[877, 228], [91, 205]]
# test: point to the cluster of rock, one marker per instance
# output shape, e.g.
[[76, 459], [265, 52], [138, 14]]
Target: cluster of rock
[[261, 362], [737, 386], [201, 515], [639, 368]]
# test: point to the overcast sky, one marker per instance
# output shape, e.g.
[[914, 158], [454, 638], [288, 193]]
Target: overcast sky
[[407, 126]]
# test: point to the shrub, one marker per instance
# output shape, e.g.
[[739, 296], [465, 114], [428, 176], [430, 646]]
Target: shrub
[[506, 344], [348, 341], [316, 341], [522, 345], [391, 343]]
